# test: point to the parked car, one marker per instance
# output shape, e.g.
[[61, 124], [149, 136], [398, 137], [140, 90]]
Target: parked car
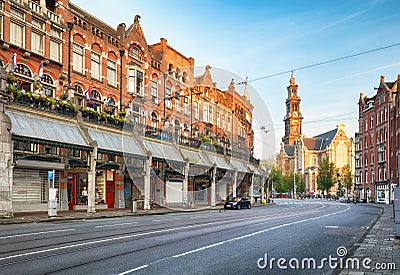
[[237, 203]]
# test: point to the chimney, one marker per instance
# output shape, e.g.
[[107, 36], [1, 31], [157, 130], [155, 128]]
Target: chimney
[[382, 78]]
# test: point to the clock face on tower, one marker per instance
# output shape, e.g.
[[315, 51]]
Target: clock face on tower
[[295, 114]]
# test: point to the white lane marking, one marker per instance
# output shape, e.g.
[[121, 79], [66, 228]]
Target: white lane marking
[[128, 237], [36, 233], [132, 270], [168, 219], [331, 226], [118, 238], [244, 236], [117, 224]]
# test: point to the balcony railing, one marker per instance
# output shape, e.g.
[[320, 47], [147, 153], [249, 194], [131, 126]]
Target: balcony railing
[[35, 7], [53, 17]]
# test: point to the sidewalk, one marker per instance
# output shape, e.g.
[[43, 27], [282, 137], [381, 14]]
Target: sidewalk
[[380, 245], [32, 217]]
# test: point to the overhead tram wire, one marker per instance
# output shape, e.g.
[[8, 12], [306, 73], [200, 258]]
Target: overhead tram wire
[[325, 62]]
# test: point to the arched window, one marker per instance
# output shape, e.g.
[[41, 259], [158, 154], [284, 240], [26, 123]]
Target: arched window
[[79, 90], [48, 85], [23, 70], [94, 94], [154, 120]]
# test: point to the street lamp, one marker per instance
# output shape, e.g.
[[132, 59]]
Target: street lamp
[[121, 54], [70, 25]]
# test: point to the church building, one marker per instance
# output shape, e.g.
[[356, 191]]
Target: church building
[[303, 154]]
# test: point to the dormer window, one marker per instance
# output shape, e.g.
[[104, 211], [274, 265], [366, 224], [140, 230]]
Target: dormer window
[[137, 54]]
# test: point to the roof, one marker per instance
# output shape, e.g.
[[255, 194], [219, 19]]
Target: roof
[[289, 150], [116, 142], [35, 126], [320, 142], [196, 157], [219, 161], [163, 150]]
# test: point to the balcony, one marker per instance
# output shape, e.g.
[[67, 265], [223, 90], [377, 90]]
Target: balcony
[[35, 7], [53, 17]]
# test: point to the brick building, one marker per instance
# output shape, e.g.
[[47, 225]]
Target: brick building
[[377, 142], [114, 115]]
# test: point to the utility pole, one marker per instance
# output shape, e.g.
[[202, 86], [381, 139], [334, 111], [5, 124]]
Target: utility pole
[[294, 171]]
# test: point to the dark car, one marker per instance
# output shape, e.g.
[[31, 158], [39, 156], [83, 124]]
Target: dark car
[[238, 203]]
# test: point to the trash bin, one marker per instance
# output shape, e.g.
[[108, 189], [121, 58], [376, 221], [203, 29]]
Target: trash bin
[[134, 205]]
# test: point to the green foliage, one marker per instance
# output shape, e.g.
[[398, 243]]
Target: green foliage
[[122, 113], [347, 178], [326, 175], [63, 96]]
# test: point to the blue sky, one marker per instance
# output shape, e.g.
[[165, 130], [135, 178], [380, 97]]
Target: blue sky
[[259, 38]]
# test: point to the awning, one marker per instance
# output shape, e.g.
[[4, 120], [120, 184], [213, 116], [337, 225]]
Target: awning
[[37, 127], [163, 151], [37, 164], [120, 143], [240, 166], [219, 161], [196, 157], [254, 169]]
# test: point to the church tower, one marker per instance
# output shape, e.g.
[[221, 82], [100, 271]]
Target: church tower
[[293, 119]]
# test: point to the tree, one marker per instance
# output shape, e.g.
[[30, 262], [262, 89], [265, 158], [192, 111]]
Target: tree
[[277, 179], [300, 184], [347, 178], [326, 175]]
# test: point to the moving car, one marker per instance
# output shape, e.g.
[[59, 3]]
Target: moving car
[[237, 203]]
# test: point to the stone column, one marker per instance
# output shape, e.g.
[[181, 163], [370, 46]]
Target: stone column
[[213, 182], [147, 175], [185, 183], [251, 191], [6, 166], [119, 199], [64, 191], [262, 190], [234, 183], [92, 179]]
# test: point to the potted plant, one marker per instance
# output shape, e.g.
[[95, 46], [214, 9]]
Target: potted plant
[[63, 96], [11, 78], [122, 113]]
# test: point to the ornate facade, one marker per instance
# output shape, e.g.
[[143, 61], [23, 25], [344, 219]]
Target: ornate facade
[[303, 154], [114, 115]]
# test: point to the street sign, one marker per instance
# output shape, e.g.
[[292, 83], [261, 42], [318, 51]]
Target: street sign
[[50, 175]]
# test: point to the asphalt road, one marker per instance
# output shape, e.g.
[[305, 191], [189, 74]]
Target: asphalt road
[[206, 242]]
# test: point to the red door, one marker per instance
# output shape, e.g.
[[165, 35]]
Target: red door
[[71, 189], [110, 190]]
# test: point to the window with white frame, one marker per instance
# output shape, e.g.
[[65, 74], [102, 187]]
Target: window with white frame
[[168, 97], [137, 54], [229, 124], [135, 82], [154, 92], [210, 114], [1, 27], [223, 122], [205, 112], [196, 110], [95, 65], [111, 72], [55, 45], [17, 34], [37, 37], [78, 58], [37, 43], [218, 120], [177, 101], [55, 50], [186, 105]]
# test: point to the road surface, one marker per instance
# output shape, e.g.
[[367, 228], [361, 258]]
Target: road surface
[[205, 242]]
